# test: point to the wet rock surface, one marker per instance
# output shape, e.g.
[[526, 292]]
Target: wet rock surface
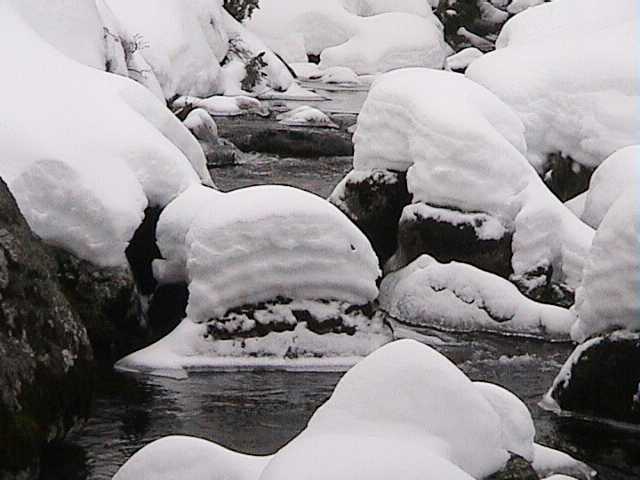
[[46, 361], [517, 468]]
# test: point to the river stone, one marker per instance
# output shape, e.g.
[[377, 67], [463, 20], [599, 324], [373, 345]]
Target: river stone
[[46, 362], [517, 468], [602, 379], [107, 302], [374, 201], [450, 235], [567, 178]]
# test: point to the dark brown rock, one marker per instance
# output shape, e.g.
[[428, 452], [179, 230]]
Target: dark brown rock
[[374, 202], [604, 379], [46, 362]]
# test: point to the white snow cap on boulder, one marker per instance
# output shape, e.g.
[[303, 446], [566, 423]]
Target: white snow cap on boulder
[[95, 152], [258, 243], [608, 297], [617, 173], [459, 297], [365, 44], [463, 149], [578, 59]]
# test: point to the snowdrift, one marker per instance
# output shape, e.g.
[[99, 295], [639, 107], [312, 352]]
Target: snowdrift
[[89, 151], [578, 61]]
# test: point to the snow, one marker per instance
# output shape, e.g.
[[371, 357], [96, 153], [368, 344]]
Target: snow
[[617, 173], [221, 106], [367, 8], [464, 149], [74, 27], [306, 116], [578, 60], [577, 205], [547, 461], [342, 75], [367, 45], [116, 146], [518, 6], [462, 59], [460, 297], [257, 243], [177, 457], [608, 296]]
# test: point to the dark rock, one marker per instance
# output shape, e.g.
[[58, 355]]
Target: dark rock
[[142, 250], [604, 379], [167, 307], [567, 178], [472, 17], [374, 202], [539, 285], [108, 304], [223, 154], [46, 362], [253, 133], [425, 229], [517, 468]]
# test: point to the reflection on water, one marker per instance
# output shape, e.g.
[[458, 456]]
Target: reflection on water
[[258, 412]]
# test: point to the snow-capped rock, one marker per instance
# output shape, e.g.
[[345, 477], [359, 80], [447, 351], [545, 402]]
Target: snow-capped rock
[[100, 149], [608, 295], [341, 75], [600, 379], [583, 109], [459, 297], [365, 44], [221, 106], [306, 116], [461, 60], [610, 180], [463, 150]]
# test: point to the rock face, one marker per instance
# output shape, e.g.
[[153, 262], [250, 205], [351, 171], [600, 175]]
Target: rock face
[[107, 303], [374, 202], [448, 235], [601, 379], [45, 356]]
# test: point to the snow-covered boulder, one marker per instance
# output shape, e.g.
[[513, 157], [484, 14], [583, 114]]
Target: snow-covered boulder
[[463, 150], [459, 297], [365, 44], [306, 116], [276, 276], [100, 149], [608, 295], [460, 61], [600, 379], [367, 8], [617, 173], [583, 109]]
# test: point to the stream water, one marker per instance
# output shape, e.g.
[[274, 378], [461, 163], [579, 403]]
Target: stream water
[[258, 412]]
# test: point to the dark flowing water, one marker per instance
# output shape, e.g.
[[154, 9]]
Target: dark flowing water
[[259, 412]]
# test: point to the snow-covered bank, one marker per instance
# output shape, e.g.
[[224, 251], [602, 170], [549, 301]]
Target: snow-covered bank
[[89, 151], [405, 408], [579, 61], [459, 297], [368, 44]]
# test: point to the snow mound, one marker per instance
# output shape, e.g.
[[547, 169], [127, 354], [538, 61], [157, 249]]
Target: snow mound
[[583, 109], [461, 60], [258, 243], [608, 296], [460, 297], [100, 149], [617, 173], [306, 116], [431, 422], [365, 44], [463, 149], [342, 75], [367, 8], [174, 457], [221, 106]]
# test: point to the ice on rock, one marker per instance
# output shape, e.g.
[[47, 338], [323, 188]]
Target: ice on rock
[[584, 109], [608, 295], [459, 297], [277, 277], [464, 149], [116, 146], [306, 116], [617, 173], [365, 44], [342, 75], [177, 457]]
